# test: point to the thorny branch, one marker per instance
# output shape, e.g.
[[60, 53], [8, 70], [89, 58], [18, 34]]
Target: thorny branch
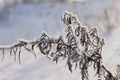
[[83, 48]]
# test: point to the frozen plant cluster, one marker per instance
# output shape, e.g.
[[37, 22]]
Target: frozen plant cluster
[[81, 48]]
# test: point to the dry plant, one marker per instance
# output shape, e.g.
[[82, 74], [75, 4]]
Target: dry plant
[[81, 49]]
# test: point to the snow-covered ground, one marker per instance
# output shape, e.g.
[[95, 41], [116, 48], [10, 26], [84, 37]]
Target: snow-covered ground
[[27, 21]]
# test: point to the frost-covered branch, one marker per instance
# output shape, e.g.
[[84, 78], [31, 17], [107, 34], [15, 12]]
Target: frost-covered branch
[[82, 49]]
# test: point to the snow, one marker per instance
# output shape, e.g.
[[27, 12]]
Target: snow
[[28, 21], [111, 52]]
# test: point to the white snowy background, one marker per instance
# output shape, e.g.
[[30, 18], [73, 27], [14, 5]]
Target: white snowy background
[[26, 19]]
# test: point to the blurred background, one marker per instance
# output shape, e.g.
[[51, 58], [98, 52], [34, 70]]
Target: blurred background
[[27, 19]]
